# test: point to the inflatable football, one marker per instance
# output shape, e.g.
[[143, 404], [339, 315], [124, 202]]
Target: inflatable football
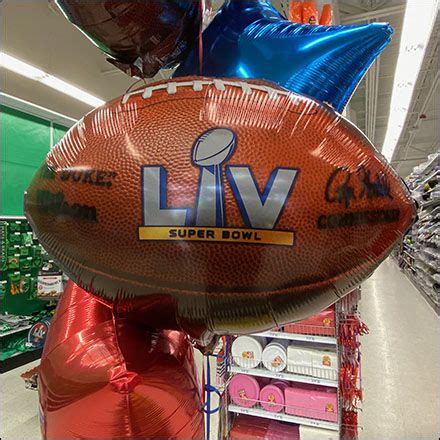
[[217, 206]]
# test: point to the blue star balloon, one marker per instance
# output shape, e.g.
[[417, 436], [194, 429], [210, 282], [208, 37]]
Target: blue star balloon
[[250, 39]]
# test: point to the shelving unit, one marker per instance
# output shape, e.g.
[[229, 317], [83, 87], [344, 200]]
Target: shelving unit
[[23, 266], [344, 309], [419, 254], [325, 342]]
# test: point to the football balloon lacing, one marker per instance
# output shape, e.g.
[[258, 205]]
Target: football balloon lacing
[[172, 87]]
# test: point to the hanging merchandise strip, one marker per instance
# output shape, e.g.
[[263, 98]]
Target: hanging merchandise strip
[[208, 388], [350, 329]]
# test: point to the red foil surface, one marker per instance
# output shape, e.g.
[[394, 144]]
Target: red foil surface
[[105, 377]]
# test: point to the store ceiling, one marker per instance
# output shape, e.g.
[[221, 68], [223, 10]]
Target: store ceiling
[[369, 107], [34, 32]]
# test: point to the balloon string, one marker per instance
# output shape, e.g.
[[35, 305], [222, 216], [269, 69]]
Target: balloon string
[[202, 11], [208, 398]]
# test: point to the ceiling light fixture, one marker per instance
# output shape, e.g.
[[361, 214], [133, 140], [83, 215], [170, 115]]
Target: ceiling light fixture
[[15, 65], [416, 31]]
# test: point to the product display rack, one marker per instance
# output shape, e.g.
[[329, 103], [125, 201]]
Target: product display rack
[[419, 253], [24, 264], [343, 309]]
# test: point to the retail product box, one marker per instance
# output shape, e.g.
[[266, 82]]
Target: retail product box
[[312, 362], [49, 285], [312, 403], [323, 323]]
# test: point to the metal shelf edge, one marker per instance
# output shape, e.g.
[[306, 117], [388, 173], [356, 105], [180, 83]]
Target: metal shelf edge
[[259, 372], [16, 330], [299, 337], [284, 417]]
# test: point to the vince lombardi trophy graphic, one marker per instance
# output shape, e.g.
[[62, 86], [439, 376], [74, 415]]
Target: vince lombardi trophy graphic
[[210, 151]]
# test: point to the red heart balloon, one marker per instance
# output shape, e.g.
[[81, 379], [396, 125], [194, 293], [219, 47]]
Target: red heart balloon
[[104, 377]]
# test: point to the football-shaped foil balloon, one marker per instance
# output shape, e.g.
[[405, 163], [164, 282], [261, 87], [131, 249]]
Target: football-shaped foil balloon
[[140, 36], [217, 206], [103, 377]]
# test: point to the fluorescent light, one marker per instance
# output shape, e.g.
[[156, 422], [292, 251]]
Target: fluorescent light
[[37, 110], [25, 69], [418, 22]]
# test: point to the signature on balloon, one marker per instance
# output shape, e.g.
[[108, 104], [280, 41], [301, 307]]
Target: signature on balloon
[[344, 186]]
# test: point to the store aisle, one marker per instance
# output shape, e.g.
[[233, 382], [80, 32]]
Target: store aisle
[[400, 360]]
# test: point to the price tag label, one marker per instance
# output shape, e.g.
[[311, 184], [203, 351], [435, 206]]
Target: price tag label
[[278, 417], [279, 375], [309, 338]]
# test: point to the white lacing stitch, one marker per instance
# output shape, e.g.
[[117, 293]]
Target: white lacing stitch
[[219, 85], [171, 88], [197, 85], [246, 89]]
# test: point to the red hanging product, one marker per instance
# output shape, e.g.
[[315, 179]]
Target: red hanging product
[[326, 18]]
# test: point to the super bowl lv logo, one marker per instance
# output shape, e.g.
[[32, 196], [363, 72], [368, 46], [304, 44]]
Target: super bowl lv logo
[[207, 221]]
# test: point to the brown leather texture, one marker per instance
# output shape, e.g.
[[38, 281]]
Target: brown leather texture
[[340, 176]]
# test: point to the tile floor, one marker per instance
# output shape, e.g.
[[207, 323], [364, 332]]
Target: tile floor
[[401, 358], [401, 377]]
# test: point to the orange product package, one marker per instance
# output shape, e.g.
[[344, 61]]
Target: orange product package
[[310, 12], [295, 11]]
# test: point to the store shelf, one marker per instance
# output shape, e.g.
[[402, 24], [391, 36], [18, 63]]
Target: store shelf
[[283, 417], [434, 268], [429, 275], [431, 176], [423, 292], [19, 359], [12, 217], [15, 330], [408, 263], [261, 372], [299, 337], [431, 203]]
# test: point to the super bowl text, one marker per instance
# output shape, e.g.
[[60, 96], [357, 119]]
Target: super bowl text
[[207, 221]]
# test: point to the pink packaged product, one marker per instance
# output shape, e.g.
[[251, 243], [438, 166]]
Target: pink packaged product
[[323, 323], [313, 403], [244, 390], [272, 398], [254, 428]]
